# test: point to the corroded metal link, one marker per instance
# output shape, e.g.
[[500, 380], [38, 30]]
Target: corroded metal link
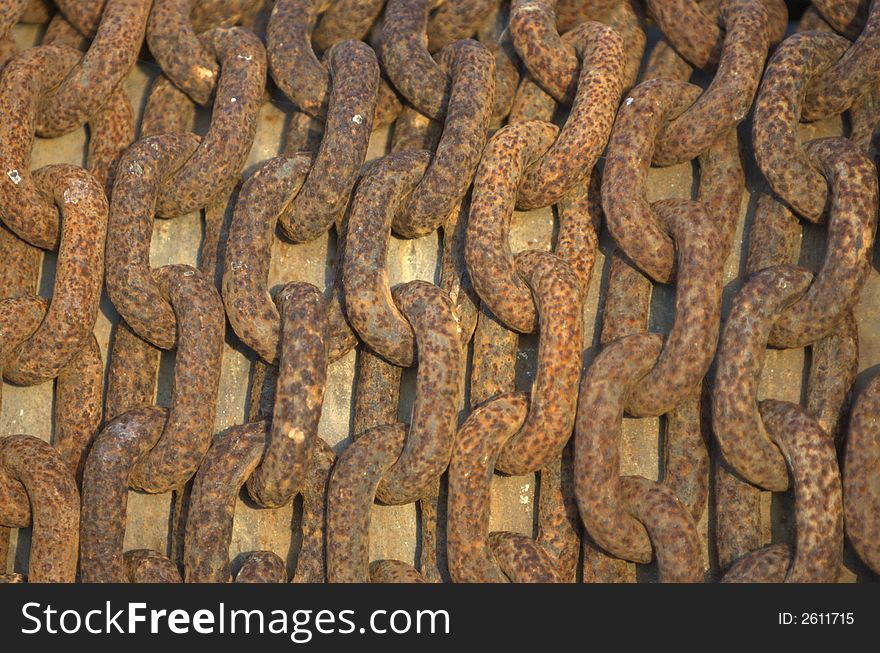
[[266, 196], [23, 85], [78, 405], [496, 37], [10, 13], [812, 461], [261, 567], [168, 110], [187, 433], [861, 484], [670, 526], [847, 17], [302, 76], [694, 33], [431, 433], [142, 171], [531, 102], [727, 100], [851, 228], [214, 168], [73, 310], [630, 149], [227, 465], [835, 90], [461, 143], [738, 426], [349, 122], [690, 344], [89, 84], [131, 374], [558, 519], [627, 18], [45, 480], [377, 392], [664, 61], [570, 160], [737, 515], [456, 19], [310, 565], [765, 565], [407, 61], [495, 348], [603, 392], [522, 559], [85, 15], [184, 59], [346, 19], [369, 307], [148, 566], [21, 317], [112, 130], [350, 494], [478, 444], [299, 397], [553, 397], [632, 222], [394, 571], [779, 155], [834, 366], [487, 249]]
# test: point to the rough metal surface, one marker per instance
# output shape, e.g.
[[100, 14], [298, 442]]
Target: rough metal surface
[[394, 534]]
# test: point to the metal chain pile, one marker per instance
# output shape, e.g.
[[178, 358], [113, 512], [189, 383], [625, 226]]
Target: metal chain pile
[[492, 107]]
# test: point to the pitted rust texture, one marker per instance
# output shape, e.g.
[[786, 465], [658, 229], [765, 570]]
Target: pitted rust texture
[[727, 100], [187, 433], [690, 345], [261, 567], [774, 236], [630, 219], [112, 130], [379, 197], [228, 464], [487, 248], [346, 19], [431, 432], [627, 300], [693, 32], [738, 426], [394, 571], [603, 392], [493, 362], [840, 85], [299, 396], [10, 13], [458, 151], [478, 444], [812, 461], [131, 374], [217, 163], [531, 102], [558, 519], [778, 153], [664, 61], [39, 473], [78, 405], [834, 366], [670, 526], [766, 565], [454, 278], [861, 483], [456, 19], [377, 392], [521, 559], [73, 309], [407, 61], [570, 159], [686, 455], [350, 494], [264, 197], [148, 566], [846, 16], [310, 565], [298, 72], [142, 171], [184, 58], [737, 514], [88, 85], [496, 37], [349, 122], [553, 396], [85, 15], [168, 109], [851, 228]]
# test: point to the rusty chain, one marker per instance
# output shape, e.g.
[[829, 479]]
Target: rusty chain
[[446, 125]]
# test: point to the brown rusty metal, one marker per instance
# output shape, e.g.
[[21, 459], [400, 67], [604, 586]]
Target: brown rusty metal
[[148, 566], [45, 488], [861, 490], [261, 567]]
